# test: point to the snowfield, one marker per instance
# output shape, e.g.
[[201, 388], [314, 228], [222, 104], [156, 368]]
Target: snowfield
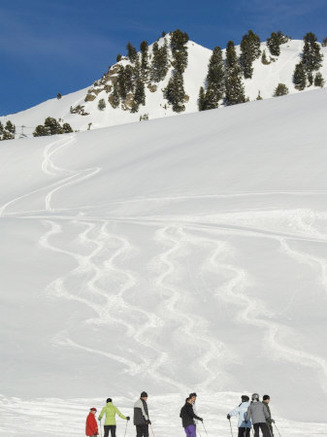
[[173, 255]]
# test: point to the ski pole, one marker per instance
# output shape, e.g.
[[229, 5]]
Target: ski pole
[[152, 430], [277, 430], [198, 431], [100, 428], [126, 427], [231, 429], [204, 427]]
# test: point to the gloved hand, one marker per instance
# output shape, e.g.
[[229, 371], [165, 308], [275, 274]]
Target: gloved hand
[[200, 418], [228, 416], [148, 422], [272, 420], [128, 418]]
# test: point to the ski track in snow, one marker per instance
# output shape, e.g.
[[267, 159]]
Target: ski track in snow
[[99, 259], [97, 266]]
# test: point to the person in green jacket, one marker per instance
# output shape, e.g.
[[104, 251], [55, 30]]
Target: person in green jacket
[[110, 412]]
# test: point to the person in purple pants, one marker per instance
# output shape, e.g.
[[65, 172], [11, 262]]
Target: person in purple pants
[[187, 415]]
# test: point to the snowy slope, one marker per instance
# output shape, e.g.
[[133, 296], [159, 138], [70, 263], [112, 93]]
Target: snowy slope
[[264, 81], [181, 254]]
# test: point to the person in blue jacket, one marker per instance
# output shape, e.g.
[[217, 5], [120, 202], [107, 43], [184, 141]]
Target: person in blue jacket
[[240, 411]]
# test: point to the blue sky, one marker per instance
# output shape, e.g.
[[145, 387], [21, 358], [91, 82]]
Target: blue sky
[[62, 46]]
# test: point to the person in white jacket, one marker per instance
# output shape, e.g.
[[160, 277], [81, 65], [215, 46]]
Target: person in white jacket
[[240, 411]]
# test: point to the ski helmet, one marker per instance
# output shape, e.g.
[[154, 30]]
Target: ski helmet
[[245, 398], [255, 397]]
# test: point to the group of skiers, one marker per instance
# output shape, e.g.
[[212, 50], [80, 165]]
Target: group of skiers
[[254, 413], [141, 418]]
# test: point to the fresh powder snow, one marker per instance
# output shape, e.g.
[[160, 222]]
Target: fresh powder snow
[[173, 255]]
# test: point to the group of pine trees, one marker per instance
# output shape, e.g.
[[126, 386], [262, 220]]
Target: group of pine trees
[[128, 80], [51, 127], [307, 70], [7, 131], [224, 81]]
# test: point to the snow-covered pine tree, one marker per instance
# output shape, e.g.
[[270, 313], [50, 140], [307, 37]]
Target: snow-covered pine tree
[[233, 81], [175, 93], [101, 104], [159, 65], [114, 98], [215, 82], [319, 80], [275, 41], [144, 47], [299, 77], [178, 40], [131, 52], [311, 55], [250, 50], [280, 90]]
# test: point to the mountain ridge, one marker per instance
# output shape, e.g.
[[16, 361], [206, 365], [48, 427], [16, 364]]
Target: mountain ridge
[[263, 83]]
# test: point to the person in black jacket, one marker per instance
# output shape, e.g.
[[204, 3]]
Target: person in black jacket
[[187, 415], [141, 416]]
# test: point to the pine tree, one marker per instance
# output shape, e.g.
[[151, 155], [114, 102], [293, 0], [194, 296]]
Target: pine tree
[[250, 50], [273, 44], [114, 98], [319, 80], [10, 127], [139, 96], [101, 105], [125, 81], [201, 100], [41, 131], [299, 77], [264, 59], [129, 73], [233, 81], [53, 126], [311, 56], [175, 93], [280, 90], [178, 42], [66, 127], [131, 52], [159, 65], [215, 81], [7, 135], [144, 47]]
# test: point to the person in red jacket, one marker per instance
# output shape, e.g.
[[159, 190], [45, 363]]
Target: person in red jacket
[[91, 428]]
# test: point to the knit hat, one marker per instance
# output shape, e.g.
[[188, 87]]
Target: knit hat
[[93, 409], [109, 400], [192, 394], [265, 397], [245, 398], [144, 394]]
